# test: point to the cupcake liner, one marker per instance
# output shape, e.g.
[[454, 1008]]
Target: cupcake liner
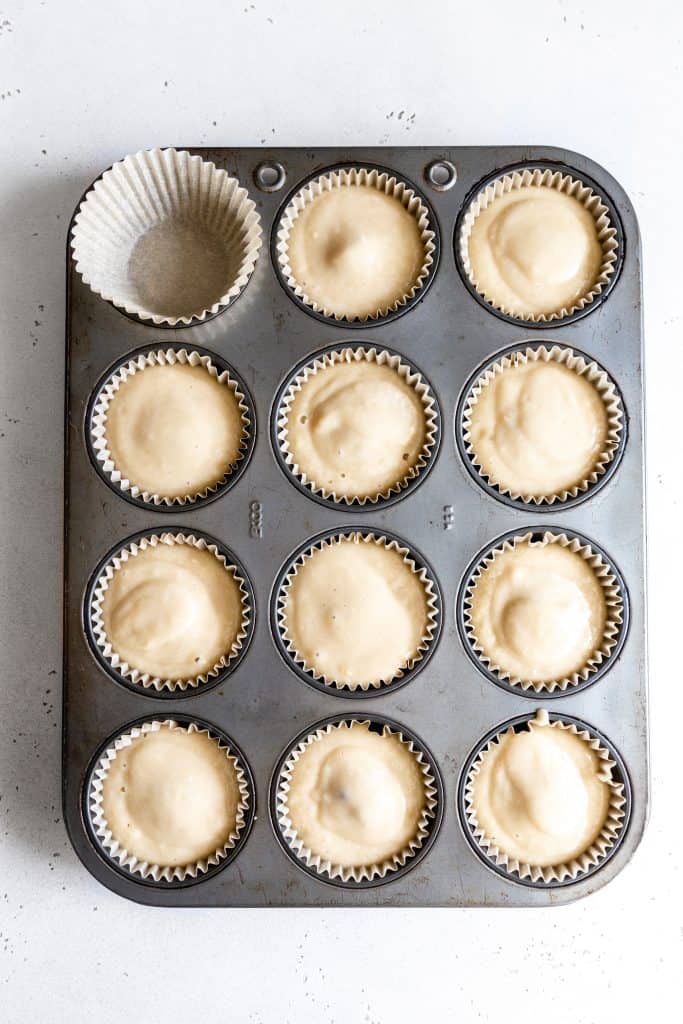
[[192, 207], [104, 647], [596, 852], [382, 357], [97, 427], [614, 612], [571, 186], [358, 537], [383, 182], [364, 873], [114, 849], [583, 367]]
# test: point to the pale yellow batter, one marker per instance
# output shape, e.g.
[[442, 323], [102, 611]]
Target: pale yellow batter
[[173, 430], [356, 797], [539, 796], [356, 613], [355, 251], [356, 429], [171, 797], [538, 612], [172, 611], [534, 250], [538, 428]]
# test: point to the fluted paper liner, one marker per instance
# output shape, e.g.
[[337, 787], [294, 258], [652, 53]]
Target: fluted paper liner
[[165, 190], [587, 369], [594, 854], [614, 611], [97, 428], [358, 537], [365, 872], [145, 679], [574, 187], [360, 354], [115, 849], [349, 177]]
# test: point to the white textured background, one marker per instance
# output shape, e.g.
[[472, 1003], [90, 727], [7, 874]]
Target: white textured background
[[81, 84]]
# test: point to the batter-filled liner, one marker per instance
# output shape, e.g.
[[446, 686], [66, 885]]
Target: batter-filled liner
[[597, 851], [100, 445], [566, 184], [614, 612], [586, 370], [386, 184], [353, 874], [427, 633], [146, 680], [356, 357], [116, 850]]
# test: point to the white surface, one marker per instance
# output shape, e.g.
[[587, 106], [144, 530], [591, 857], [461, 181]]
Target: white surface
[[82, 83]]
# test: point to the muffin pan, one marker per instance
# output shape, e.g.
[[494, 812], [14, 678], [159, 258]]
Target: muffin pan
[[447, 517]]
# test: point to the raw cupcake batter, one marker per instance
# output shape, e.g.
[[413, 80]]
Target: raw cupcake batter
[[356, 429], [538, 612], [540, 794], [356, 613], [171, 797], [355, 251], [534, 250], [538, 428], [356, 797], [173, 430], [172, 611]]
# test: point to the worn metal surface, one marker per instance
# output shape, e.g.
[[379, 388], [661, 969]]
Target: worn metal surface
[[450, 705]]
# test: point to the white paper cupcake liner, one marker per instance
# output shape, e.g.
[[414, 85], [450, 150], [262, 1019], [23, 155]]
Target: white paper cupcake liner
[[184, 197], [345, 177], [371, 355], [587, 369], [98, 423], [593, 855], [571, 186], [362, 873], [114, 848], [359, 537], [614, 612], [104, 646]]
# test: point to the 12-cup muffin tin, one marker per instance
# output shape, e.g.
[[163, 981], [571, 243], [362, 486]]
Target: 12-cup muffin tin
[[448, 517]]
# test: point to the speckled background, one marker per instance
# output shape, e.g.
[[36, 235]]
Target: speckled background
[[80, 85]]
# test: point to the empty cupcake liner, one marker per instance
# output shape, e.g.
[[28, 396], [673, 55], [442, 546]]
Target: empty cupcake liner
[[583, 367], [614, 609], [571, 186], [368, 872], [358, 537], [182, 199], [383, 181], [104, 647], [97, 426], [115, 850], [595, 854], [382, 357]]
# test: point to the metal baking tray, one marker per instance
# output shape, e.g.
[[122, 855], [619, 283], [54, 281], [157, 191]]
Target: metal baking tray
[[451, 704]]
